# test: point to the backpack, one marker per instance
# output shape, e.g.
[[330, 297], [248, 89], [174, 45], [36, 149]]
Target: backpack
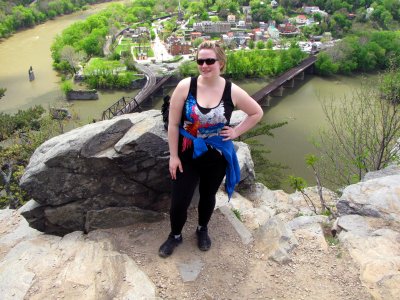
[[165, 111]]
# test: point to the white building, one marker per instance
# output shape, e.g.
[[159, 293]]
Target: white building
[[273, 32]]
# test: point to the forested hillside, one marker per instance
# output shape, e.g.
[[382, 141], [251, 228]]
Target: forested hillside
[[19, 14]]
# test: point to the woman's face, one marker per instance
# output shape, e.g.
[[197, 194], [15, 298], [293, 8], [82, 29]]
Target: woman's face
[[208, 70]]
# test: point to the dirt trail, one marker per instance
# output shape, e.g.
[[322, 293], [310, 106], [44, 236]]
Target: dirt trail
[[231, 270]]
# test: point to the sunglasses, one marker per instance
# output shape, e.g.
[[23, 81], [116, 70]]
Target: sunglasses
[[208, 61]]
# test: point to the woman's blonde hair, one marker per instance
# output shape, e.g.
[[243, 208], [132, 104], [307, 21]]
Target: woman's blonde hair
[[219, 52]]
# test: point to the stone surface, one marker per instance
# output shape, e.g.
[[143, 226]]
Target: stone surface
[[83, 95], [189, 271], [275, 240], [74, 265], [119, 163], [247, 173], [34, 265], [390, 170], [243, 232], [377, 252], [370, 223], [304, 221], [378, 197], [109, 173]]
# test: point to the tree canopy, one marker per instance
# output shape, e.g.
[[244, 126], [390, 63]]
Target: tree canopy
[[364, 51]]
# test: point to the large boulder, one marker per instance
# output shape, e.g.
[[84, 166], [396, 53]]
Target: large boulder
[[369, 223], [379, 197], [106, 174], [34, 265], [115, 170]]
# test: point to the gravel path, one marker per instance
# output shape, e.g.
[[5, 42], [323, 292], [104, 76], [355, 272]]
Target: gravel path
[[231, 270]]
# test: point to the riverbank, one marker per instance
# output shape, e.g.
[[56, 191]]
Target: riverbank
[[31, 47]]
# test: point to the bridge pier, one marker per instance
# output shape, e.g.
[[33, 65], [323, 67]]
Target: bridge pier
[[278, 92], [300, 76], [159, 92], [289, 83], [310, 69], [265, 101]]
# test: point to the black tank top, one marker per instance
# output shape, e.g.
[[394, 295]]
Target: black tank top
[[204, 122]]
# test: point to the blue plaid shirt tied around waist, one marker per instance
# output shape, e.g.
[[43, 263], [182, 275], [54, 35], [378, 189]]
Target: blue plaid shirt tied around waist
[[228, 151]]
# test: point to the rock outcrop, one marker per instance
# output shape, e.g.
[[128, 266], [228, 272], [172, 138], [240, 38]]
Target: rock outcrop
[[369, 226], [34, 265], [278, 227], [113, 170], [114, 173], [106, 174]]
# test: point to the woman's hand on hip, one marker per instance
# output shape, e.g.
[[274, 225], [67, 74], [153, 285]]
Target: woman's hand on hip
[[174, 163], [228, 133]]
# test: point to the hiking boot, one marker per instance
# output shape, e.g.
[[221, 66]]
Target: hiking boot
[[203, 240], [169, 245]]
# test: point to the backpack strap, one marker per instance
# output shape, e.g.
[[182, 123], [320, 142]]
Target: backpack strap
[[193, 87]]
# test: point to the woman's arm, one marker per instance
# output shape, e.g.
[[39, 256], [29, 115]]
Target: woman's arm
[[244, 102], [175, 112]]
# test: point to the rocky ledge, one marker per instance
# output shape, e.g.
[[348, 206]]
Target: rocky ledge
[[263, 257], [106, 174]]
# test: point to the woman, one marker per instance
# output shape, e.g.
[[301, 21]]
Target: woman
[[200, 111]]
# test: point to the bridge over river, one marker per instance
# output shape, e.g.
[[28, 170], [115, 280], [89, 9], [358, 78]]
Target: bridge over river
[[276, 87], [127, 105]]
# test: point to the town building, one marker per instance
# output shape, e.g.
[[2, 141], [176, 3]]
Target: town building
[[176, 45], [288, 29], [273, 32], [309, 9], [241, 24], [212, 27], [301, 20], [231, 18], [194, 35]]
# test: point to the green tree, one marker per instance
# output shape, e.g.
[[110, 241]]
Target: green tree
[[196, 8], [72, 57], [324, 64], [251, 44], [312, 162], [188, 68], [197, 42], [2, 92], [267, 172], [270, 44], [390, 87], [299, 184], [260, 45], [66, 86], [31, 128]]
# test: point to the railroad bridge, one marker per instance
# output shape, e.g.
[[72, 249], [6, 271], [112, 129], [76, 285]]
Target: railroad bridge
[[127, 105], [286, 80]]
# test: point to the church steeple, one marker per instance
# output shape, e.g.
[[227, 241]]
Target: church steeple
[[180, 12]]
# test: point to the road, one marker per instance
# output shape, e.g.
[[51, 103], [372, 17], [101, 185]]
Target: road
[[160, 52]]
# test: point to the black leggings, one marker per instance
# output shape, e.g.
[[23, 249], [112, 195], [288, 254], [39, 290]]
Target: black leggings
[[209, 170]]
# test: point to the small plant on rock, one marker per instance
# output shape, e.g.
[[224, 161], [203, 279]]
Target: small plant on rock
[[237, 214]]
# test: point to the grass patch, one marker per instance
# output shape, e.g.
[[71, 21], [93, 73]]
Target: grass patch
[[174, 59], [122, 47], [329, 238], [332, 241], [99, 65], [237, 214]]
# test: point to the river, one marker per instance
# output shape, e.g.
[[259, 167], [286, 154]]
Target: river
[[299, 106], [31, 47]]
